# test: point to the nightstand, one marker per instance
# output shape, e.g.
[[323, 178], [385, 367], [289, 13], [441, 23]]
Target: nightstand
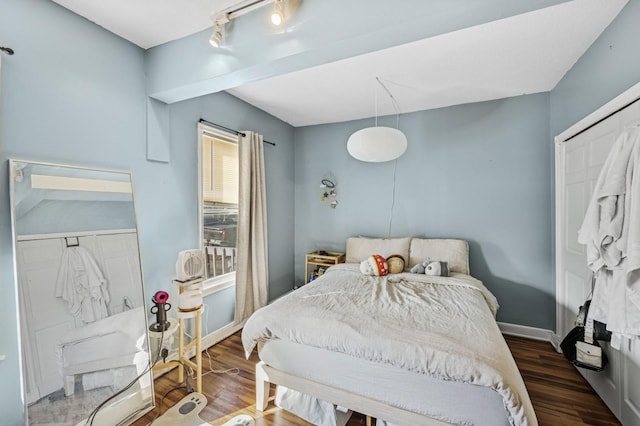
[[185, 348], [316, 262]]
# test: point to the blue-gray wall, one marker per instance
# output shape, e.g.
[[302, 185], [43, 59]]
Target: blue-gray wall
[[480, 172], [76, 94], [73, 93], [607, 69]]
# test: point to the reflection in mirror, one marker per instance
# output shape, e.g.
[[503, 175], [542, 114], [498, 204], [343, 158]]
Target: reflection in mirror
[[219, 202], [83, 322]]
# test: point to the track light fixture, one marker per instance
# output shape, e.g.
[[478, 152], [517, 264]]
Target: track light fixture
[[242, 7], [216, 37], [277, 14]]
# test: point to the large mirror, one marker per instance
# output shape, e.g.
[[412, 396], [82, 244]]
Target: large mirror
[[83, 322]]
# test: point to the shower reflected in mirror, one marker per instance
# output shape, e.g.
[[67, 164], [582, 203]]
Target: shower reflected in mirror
[[83, 322]]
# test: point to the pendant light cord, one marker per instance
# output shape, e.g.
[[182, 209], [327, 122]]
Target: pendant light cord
[[393, 196], [393, 101], [375, 100], [395, 163]]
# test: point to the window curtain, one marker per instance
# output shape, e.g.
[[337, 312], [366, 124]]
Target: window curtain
[[252, 276]]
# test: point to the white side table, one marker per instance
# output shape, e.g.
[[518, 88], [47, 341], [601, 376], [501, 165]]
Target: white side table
[[183, 349]]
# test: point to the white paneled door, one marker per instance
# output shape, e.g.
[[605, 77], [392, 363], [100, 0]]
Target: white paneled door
[[46, 320], [578, 164]]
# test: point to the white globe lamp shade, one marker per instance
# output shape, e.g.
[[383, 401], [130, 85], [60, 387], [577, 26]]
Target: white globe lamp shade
[[377, 144]]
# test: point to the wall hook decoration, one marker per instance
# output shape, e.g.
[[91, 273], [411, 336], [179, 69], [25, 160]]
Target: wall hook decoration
[[328, 187]]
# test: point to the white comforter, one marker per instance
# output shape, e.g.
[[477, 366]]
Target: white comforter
[[441, 326]]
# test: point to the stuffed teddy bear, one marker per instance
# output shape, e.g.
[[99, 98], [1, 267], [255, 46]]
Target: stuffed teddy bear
[[431, 267], [375, 265], [396, 263]]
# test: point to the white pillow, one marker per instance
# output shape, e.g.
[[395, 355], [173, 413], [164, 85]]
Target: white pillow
[[454, 252], [359, 248]]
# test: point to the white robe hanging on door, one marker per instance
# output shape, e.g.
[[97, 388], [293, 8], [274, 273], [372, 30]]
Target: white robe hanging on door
[[611, 233], [82, 286]]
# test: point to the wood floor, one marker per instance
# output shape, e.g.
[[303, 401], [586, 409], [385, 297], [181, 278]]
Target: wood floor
[[559, 394]]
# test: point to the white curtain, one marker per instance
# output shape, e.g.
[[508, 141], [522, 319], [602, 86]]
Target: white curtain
[[252, 276]]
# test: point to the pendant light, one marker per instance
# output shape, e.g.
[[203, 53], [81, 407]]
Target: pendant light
[[378, 144]]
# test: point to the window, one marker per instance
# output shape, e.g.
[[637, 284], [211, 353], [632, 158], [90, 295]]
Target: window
[[218, 205], [220, 171]]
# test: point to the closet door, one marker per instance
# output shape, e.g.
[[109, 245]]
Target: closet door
[[630, 415], [631, 353], [117, 257], [579, 161], [583, 157], [46, 322]]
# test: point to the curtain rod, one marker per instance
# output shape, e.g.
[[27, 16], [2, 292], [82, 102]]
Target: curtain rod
[[602, 119], [202, 120]]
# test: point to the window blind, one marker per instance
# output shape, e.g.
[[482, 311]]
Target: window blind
[[220, 170]]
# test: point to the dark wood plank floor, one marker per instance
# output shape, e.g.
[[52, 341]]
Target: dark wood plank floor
[[559, 394]]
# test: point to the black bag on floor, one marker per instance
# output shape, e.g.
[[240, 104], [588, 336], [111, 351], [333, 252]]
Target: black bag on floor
[[600, 331], [599, 328], [586, 354], [582, 354]]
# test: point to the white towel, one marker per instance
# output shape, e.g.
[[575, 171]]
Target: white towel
[[603, 222], [611, 233], [630, 240], [82, 286]]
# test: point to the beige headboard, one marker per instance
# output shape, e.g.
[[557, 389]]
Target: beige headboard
[[359, 248], [413, 250], [455, 252]]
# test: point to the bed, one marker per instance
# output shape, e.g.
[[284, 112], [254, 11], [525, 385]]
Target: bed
[[409, 349]]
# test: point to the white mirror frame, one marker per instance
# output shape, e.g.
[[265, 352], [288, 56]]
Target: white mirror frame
[[133, 404]]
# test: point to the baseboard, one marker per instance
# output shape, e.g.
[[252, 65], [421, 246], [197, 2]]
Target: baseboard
[[555, 341], [526, 331], [221, 334], [207, 341]]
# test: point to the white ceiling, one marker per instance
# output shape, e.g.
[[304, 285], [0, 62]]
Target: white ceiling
[[524, 54], [149, 23]]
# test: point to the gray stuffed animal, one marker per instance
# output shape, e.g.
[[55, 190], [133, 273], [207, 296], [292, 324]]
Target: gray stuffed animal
[[420, 267], [431, 267], [437, 268]]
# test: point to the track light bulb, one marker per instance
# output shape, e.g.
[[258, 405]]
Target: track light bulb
[[276, 18], [277, 15]]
